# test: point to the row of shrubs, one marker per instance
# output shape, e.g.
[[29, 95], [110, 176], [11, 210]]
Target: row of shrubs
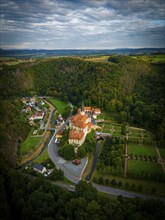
[[147, 176], [143, 157], [122, 185], [141, 141]]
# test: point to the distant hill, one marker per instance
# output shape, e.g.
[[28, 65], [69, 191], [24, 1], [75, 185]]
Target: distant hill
[[25, 53]]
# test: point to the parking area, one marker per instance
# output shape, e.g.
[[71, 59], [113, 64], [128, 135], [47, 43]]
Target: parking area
[[71, 171]]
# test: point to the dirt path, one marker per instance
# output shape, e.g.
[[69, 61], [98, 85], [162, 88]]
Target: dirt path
[[126, 161], [160, 160]]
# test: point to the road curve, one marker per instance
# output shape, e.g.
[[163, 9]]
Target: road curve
[[128, 194], [88, 178]]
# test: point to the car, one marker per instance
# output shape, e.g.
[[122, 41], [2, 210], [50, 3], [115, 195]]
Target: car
[[76, 162]]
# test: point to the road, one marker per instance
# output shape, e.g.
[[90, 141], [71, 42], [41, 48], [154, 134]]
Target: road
[[53, 154], [111, 191], [128, 194], [88, 178]]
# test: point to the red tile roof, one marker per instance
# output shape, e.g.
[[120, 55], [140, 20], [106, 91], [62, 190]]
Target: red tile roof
[[89, 125], [74, 135], [88, 108], [97, 110], [79, 121], [79, 124]]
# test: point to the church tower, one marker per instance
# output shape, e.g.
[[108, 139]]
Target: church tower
[[82, 109]]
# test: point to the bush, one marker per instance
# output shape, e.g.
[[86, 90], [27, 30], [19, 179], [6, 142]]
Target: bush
[[113, 182], [107, 182], [57, 175], [95, 180], [140, 188], [67, 152], [100, 180], [127, 185], [120, 184], [81, 152]]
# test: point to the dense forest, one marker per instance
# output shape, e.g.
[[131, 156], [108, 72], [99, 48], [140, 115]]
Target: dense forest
[[38, 199], [130, 87]]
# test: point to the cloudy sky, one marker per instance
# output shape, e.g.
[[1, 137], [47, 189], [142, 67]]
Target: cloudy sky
[[82, 24]]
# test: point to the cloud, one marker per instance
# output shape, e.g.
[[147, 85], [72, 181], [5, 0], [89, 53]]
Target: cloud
[[81, 23]]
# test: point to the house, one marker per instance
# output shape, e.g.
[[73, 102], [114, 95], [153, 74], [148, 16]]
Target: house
[[39, 168], [60, 120], [32, 117], [39, 115], [59, 134], [28, 108], [24, 100], [88, 110], [33, 100], [97, 111]]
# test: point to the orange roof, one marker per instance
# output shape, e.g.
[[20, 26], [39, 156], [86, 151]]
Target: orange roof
[[82, 118], [89, 125], [88, 108], [76, 118], [79, 124], [97, 110], [74, 135]]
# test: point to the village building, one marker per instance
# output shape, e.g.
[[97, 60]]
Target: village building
[[39, 168], [38, 116], [33, 100], [80, 125], [28, 109]]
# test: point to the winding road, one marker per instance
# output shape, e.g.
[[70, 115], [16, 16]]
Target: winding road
[[88, 178]]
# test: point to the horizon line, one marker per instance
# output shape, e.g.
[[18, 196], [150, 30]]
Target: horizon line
[[118, 48]]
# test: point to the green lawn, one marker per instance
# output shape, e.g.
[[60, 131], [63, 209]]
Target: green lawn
[[144, 166], [60, 105], [29, 144], [142, 149], [44, 156], [162, 153]]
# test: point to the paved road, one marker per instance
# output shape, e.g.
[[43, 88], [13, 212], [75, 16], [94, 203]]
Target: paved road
[[53, 153], [128, 194], [88, 178]]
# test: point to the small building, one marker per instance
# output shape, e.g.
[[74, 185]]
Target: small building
[[28, 108], [33, 100], [39, 168], [39, 115], [97, 111], [24, 100]]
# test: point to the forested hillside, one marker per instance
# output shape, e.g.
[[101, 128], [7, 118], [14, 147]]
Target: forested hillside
[[127, 86], [132, 87]]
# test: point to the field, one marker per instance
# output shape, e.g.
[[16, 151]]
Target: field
[[142, 149], [60, 105], [97, 58], [143, 166], [29, 144]]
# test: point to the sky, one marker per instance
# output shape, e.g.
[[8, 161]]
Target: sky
[[82, 24]]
